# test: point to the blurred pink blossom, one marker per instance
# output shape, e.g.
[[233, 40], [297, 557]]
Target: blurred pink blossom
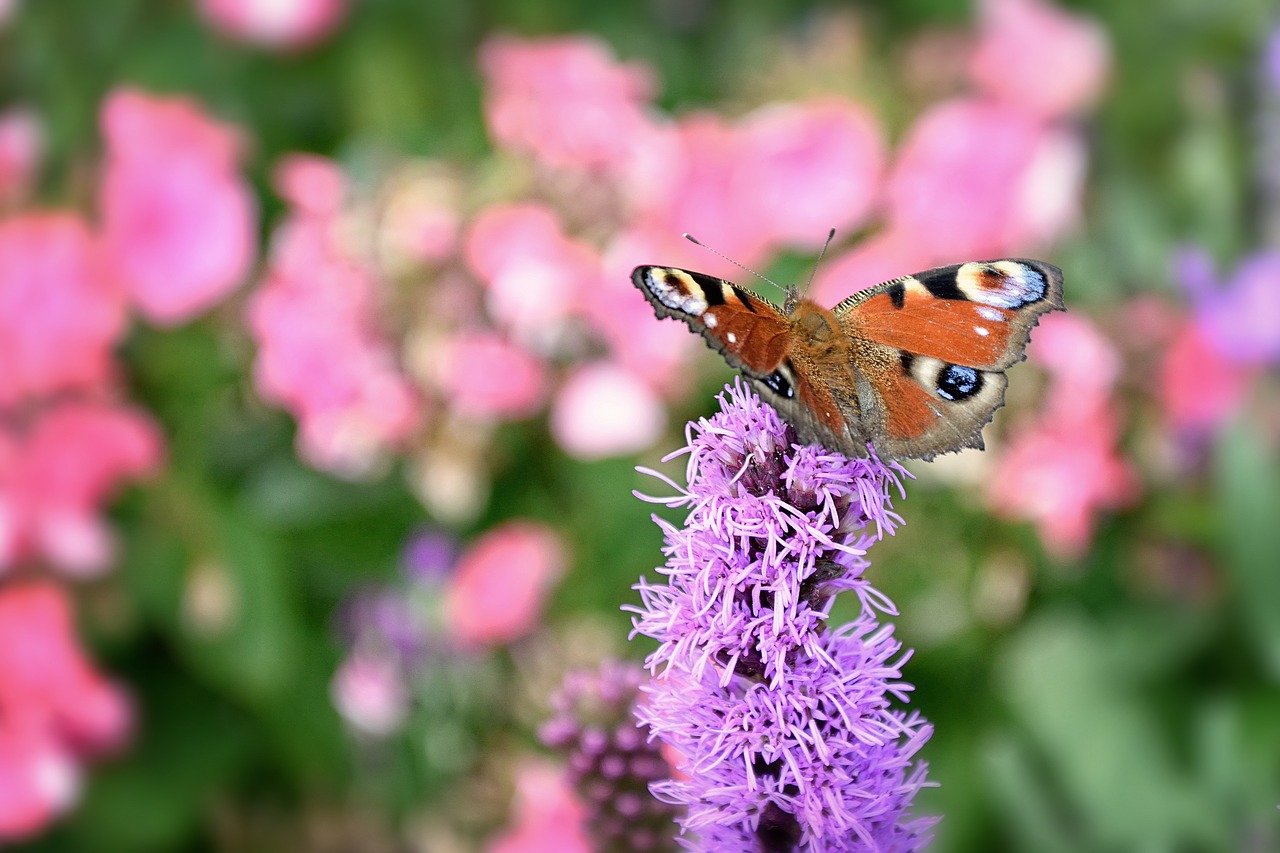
[[535, 276], [696, 177], [21, 148], [812, 166], [1035, 56], [178, 220], [497, 592], [421, 223], [565, 100], [546, 815], [1060, 472], [1082, 363], [1064, 467], [1199, 389], [369, 692], [603, 410], [55, 474], [60, 312], [55, 710], [282, 24], [979, 179], [321, 354], [311, 184], [485, 376]]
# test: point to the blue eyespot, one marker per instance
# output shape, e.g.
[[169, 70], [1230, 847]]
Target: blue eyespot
[[778, 384], [956, 382]]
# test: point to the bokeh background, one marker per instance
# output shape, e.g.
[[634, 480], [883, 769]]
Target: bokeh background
[[323, 384]]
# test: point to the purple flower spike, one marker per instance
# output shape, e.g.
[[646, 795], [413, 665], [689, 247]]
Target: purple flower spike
[[610, 762], [786, 725]]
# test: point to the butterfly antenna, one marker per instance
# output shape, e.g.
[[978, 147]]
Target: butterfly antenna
[[695, 241], [831, 235]]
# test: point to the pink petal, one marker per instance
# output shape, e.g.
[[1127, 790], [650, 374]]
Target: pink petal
[[501, 583], [280, 24], [603, 410]]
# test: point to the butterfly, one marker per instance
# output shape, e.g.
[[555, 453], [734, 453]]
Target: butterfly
[[914, 367]]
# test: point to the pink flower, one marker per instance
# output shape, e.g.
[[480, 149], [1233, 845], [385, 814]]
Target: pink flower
[[1063, 468], [1036, 57], [484, 376], [54, 708], [547, 817], [321, 352], [535, 276], [281, 24], [501, 583], [603, 410], [1060, 472], [21, 147], [421, 223], [812, 166], [313, 185], [60, 313], [977, 179], [369, 692], [178, 220], [1078, 357], [1199, 388], [55, 475], [566, 101], [786, 173], [698, 177]]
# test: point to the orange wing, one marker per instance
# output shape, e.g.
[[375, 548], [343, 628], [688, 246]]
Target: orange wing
[[751, 334], [977, 314]]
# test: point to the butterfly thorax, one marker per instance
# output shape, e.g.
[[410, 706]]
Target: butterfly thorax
[[821, 357]]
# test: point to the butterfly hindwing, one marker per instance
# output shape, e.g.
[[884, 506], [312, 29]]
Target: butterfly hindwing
[[918, 407]]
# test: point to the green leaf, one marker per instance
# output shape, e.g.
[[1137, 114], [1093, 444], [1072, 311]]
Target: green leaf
[[1115, 777], [1247, 480]]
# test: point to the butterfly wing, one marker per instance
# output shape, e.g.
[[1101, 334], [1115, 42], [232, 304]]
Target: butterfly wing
[[747, 330], [931, 349]]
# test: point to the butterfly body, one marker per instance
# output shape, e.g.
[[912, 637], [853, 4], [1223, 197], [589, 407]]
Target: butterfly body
[[914, 366]]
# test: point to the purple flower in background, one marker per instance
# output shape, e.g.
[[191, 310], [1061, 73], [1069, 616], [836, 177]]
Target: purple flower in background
[[1241, 317], [786, 725], [1271, 59], [429, 555], [611, 763]]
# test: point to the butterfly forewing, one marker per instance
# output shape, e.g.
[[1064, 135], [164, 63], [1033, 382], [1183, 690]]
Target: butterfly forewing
[[976, 314], [748, 331]]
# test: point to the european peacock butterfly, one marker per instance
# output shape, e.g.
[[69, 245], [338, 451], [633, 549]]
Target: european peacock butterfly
[[915, 366]]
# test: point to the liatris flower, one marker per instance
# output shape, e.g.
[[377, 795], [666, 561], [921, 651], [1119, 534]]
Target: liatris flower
[[789, 738], [611, 764]]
